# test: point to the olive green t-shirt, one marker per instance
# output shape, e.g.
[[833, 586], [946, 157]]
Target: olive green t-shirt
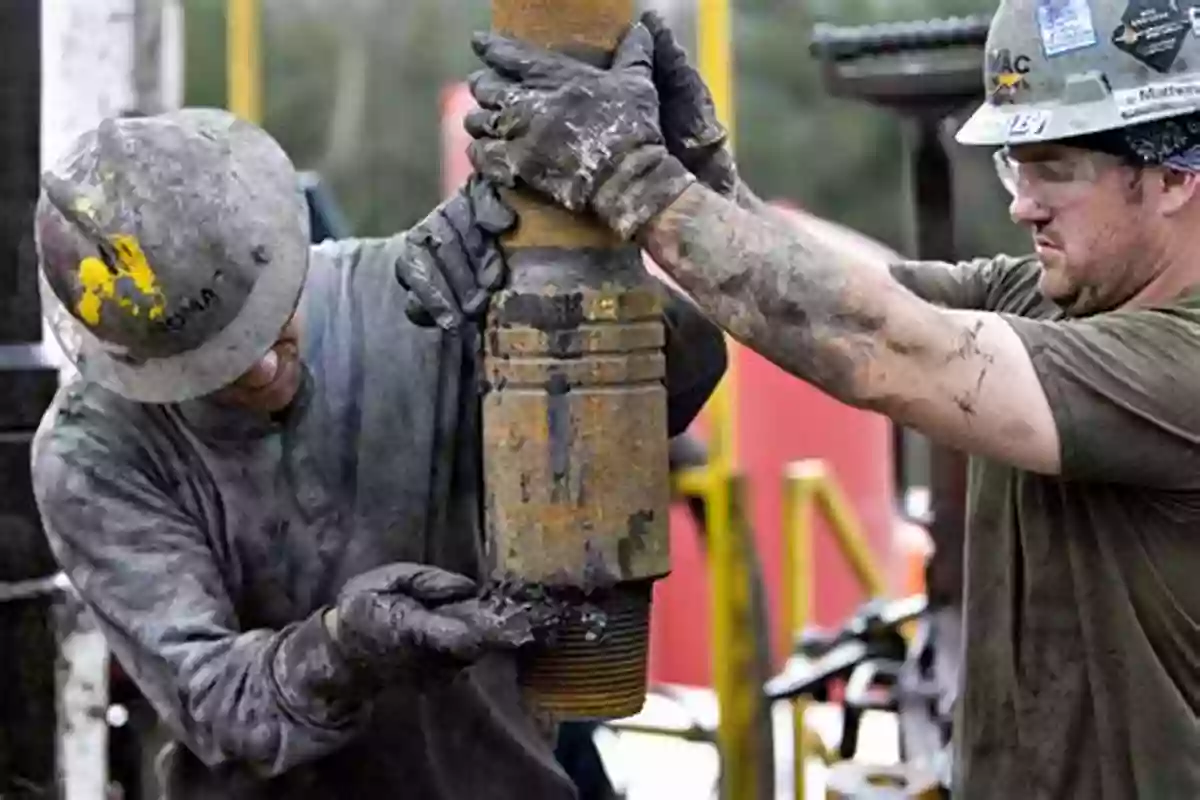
[[1082, 608]]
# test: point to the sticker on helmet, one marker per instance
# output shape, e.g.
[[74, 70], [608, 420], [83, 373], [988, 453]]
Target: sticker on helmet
[[1025, 124], [1152, 31], [1181, 94], [1006, 75], [1065, 25], [127, 280]]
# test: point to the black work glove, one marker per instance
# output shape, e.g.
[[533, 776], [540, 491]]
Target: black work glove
[[588, 138], [413, 619], [451, 261], [687, 113]]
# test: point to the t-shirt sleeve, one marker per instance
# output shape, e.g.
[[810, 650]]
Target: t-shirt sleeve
[[985, 284], [1124, 389]]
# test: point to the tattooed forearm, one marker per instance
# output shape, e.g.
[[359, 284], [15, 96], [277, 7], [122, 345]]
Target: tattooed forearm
[[817, 313]]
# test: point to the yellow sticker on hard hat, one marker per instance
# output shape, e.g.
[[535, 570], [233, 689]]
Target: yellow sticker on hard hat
[[99, 282], [1007, 75]]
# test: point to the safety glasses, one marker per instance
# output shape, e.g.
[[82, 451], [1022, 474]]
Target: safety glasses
[[1051, 180]]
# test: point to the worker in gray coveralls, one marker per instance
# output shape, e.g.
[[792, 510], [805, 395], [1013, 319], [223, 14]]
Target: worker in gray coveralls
[[265, 485], [1072, 374]]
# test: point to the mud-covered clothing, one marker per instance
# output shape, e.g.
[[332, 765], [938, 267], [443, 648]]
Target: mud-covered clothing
[[1082, 607], [207, 540]]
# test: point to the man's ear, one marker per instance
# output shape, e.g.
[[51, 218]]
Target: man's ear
[[1177, 189]]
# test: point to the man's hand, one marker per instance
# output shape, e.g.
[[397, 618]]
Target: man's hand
[[405, 618], [688, 115], [452, 261], [589, 138]]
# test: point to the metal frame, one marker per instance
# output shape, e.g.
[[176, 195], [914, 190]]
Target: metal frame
[[808, 487]]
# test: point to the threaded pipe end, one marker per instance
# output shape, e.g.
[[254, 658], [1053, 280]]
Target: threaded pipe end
[[595, 668]]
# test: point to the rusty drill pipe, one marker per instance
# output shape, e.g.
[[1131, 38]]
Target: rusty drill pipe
[[574, 420]]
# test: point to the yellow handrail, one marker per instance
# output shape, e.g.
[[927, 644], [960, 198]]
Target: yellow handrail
[[809, 485]]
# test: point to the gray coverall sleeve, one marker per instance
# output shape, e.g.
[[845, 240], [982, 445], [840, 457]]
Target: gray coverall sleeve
[[258, 700]]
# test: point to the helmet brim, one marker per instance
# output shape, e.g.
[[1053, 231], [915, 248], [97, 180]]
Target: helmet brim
[[213, 365], [1006, 125]]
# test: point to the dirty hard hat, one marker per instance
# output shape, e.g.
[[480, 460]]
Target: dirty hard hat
[[173, 250], [1058, 69]]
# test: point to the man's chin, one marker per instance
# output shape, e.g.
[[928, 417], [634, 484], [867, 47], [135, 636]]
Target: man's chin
[[1054, 289], [1050, 281]]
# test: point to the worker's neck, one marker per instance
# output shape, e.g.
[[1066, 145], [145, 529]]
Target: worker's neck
[[1177, 273]]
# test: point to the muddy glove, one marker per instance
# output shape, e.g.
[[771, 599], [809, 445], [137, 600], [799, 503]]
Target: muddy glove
[[687, 113], [404, 619], [451, 261], [588, 138]]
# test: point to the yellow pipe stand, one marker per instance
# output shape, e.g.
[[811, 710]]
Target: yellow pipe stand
[[243, 19]]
